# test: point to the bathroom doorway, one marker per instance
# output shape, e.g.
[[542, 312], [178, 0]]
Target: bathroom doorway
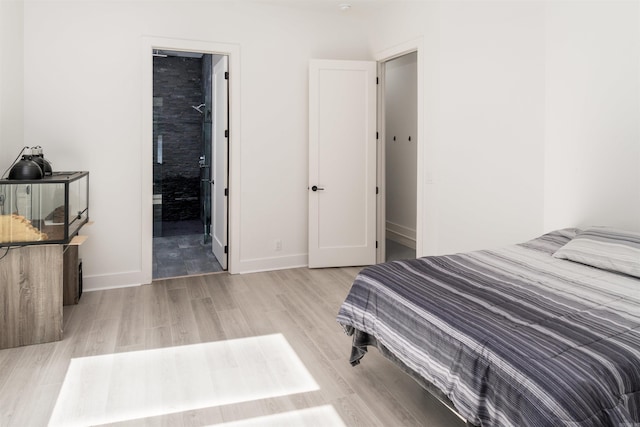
[[184, 117]]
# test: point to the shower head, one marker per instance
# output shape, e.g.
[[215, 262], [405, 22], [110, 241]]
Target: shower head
[[198, 108]]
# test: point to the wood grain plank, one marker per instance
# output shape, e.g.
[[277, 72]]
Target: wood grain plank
[[156, 309], [234, 324], [300, 304], [242, 411], [70, 277], [368, 386], [23, 379], [266, 287], [207, 320], [184, 329], [221, 290], [177, 283], [330, 381], [43, 399], [354, 412], [8, 360], [102, 337], [110, 304], [31, 291], [202, 417], [131, 324], [158, 337], [326, 335]]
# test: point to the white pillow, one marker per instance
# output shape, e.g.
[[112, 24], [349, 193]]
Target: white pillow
[[605, 248]]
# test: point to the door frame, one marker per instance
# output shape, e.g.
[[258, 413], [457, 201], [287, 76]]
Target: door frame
[[232, 51], [415, 45], [219, 250]]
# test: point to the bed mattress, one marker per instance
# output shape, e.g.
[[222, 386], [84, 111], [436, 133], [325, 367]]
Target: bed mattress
[[511, 337]]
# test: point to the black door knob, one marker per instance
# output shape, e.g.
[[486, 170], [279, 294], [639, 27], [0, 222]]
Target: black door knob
[[316, 188]]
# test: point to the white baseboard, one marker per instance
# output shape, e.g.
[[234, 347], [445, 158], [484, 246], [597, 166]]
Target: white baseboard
[[135, 278], [273, 263], [112, 281], [400, 234]]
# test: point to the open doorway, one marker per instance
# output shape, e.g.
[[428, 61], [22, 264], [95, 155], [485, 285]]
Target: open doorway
[[186, 116], [400, 156]]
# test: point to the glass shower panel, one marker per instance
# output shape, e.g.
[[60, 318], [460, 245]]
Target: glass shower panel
[[157, 166], [205, 172]]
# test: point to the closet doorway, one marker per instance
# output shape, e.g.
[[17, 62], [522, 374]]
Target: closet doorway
[[400, 116], [190, 163]]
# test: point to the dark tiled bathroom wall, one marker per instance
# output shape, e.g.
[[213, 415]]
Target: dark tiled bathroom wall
[[177, 86]]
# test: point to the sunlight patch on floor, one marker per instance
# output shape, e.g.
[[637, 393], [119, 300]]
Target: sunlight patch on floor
[[140, 384]]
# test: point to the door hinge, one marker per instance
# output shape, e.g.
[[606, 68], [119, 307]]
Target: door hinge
[[377, 190], [377, 81], [226, 133], [376, 244], [226, 75], [226, 191], [377, 135], [226, 249]]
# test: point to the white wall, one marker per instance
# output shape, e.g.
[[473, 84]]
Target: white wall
[[490, 166], [11, 80], [531, 116], [83, 102], [592, 168], [483, 79], [400, 99], [514, 93]]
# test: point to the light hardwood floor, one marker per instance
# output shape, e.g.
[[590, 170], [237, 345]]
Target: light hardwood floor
[[202, 312]]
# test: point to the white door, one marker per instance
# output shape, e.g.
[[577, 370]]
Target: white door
[[219, 161], [342, 163]]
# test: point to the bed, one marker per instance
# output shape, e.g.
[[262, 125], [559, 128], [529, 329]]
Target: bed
[[542, 333]]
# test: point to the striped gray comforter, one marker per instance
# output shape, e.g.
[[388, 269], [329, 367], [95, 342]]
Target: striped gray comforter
[[512, 337]]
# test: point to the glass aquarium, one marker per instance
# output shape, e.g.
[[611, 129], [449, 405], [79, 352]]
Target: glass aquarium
[[47, 210]]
